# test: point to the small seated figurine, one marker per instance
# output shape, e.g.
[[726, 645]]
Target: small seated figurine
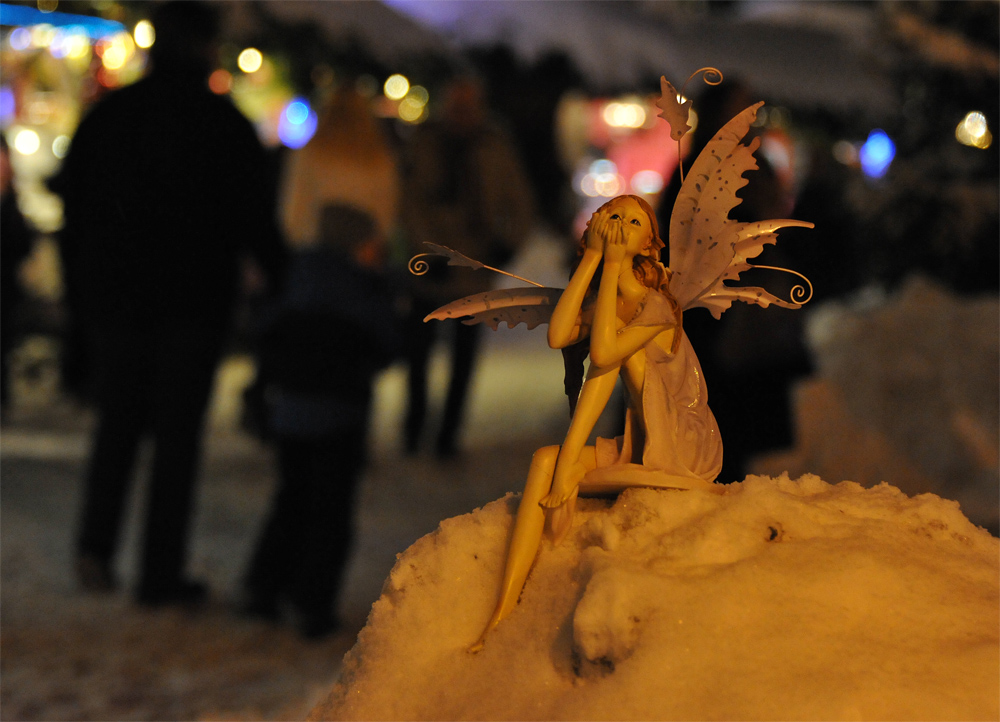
[[634, 325], [629, 306]]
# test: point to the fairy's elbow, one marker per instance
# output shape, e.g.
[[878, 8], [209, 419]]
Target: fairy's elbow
[[603, 357], [557, 340], [560, 337]]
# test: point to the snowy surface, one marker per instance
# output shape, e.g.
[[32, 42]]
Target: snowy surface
[[907, 392], [779, 599]]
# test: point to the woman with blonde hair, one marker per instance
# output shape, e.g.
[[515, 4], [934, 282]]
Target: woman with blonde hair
[[347, 162]]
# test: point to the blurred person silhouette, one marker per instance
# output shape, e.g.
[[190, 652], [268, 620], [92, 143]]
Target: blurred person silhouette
[[348, 161], [750, 359], [165, 191], [16, 242], [319, 351], [464, 187]]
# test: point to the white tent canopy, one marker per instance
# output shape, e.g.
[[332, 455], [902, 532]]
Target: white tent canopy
[[815, 53], [812, 53]]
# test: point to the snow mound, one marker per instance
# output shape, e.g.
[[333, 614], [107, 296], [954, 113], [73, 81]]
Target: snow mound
[[779, 599], [906, 392]]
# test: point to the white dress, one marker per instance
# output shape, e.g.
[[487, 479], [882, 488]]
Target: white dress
[[676, 443]]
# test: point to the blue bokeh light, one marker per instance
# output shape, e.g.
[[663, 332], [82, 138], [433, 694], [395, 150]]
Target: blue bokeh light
[[8, 106], [876, 154], [297, 123], [297, 112]]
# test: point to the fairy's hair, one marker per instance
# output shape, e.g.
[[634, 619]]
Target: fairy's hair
[[647, 269]]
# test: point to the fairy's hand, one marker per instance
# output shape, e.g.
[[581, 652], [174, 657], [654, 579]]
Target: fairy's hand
[[597, 228], [564, 485], [615, 242], [561, 518]]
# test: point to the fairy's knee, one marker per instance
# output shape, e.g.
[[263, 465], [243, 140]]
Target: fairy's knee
[[544, 459], [543, 464]]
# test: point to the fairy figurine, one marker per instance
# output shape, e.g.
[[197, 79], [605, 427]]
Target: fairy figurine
[[627, 308]]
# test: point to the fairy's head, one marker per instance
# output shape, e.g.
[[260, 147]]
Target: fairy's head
[[636, 205], [645, 263]]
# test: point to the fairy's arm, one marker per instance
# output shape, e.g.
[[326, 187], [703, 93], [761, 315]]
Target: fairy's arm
[[567, 326], [613, 347], [611, 340]]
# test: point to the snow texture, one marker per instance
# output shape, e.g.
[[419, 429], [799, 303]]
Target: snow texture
[[779, 599], [906, 392]]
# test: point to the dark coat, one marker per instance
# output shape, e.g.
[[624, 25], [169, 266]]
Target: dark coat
[[166, 188], [322, 345]]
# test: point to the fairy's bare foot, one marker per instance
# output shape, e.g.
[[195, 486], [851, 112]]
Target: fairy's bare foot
[[554, 500]]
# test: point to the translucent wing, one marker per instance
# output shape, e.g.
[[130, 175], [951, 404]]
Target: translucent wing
[[706, 246], [531, 306], [454, 257]]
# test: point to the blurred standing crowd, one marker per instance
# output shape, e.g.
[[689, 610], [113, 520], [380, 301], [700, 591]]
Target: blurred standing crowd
[[175, 223]]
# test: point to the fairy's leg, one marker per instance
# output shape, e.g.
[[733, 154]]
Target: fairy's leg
[[597, 390], [528, 527]]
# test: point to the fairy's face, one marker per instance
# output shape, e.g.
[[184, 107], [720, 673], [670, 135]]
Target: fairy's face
[[636, 225]]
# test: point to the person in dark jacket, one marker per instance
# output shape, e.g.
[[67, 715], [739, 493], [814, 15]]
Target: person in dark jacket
[[320, 350], [464, 187], [166, 195]]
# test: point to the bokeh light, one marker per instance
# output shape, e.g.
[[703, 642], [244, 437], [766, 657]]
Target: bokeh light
[[409, 111], [974, 131], [8, 105], [60, 146], [624, 115], [42, 35], [297, 123], [601, 179], [20, 39], [220, 81], [876, 154], [418, 95], [144, 34], [116, 51], [58, 47], [647, 182], [846, 152], [297, 112], [396, 87], [250, 60], [26, 141], [75, 43], [413, 108]]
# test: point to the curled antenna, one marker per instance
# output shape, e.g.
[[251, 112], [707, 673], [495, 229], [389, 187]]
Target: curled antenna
[[418, 265], [800, 295], [713, 76]]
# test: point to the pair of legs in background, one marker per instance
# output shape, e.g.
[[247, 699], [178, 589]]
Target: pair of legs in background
[[155, 380], [465, 344], [302, 554]]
